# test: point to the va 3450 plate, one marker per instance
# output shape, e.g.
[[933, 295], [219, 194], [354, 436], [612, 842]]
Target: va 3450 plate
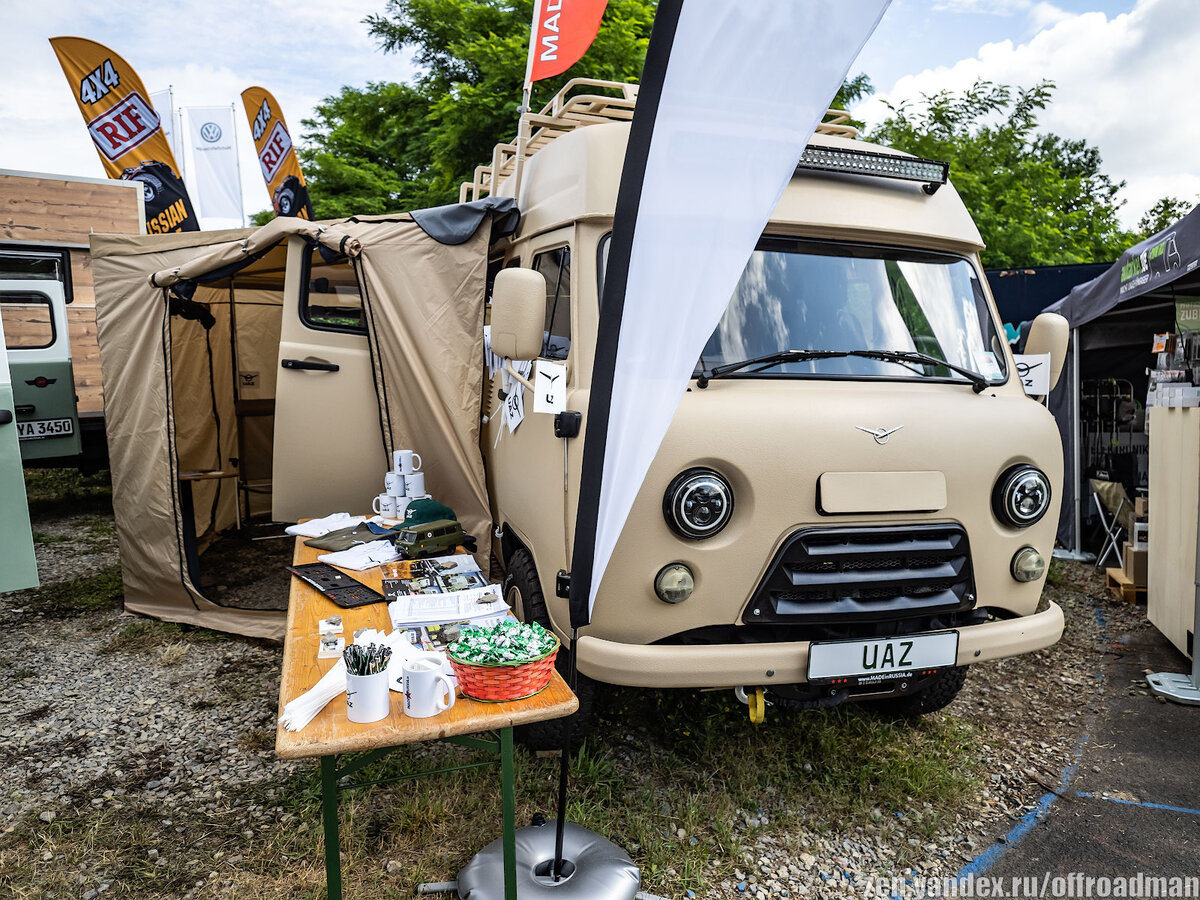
[[881, 659], [44, 428]]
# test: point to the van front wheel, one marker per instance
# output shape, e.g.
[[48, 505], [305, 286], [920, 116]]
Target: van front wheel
[[523, 592], [939, 692]]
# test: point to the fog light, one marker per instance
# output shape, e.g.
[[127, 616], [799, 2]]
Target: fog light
[[674, 583], [1028, 565]]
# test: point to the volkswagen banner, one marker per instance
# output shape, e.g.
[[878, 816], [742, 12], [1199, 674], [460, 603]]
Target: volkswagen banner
[[213, 168]]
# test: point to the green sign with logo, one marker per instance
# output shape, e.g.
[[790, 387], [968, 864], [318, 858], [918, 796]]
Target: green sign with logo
[[1187, 314]]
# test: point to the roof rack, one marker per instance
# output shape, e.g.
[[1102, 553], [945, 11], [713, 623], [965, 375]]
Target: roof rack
[[568, 111]]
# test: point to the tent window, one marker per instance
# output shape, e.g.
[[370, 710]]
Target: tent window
[[28, 320], [330, 299], [555, 266]]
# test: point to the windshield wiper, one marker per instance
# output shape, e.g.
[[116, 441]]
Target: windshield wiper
[[771, 359], [978, 382]]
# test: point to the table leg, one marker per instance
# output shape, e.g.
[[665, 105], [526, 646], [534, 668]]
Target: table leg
[[329, 818], [509, 804]]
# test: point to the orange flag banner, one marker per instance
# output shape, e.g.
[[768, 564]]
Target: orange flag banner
[[562, 32], [276, 155], [126, 130]]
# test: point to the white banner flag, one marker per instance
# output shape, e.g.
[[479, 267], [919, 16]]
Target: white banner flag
[[213, 179], [164, 105]]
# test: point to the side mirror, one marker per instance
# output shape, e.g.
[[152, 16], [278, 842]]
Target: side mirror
[[1050, 333], [518, 313]]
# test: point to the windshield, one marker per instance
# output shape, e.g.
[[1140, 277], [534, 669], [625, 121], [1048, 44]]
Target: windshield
[[809, 295], [408, 536]]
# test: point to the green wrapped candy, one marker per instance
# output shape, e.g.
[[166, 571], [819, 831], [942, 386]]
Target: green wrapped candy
[[508, 641]]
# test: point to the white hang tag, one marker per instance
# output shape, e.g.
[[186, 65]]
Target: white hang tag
[[550, 387], [1034, 371]]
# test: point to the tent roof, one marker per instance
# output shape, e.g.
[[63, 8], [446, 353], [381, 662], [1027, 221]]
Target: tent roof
[[1158, 268]]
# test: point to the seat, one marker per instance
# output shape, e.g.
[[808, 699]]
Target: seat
[[1112, 497]]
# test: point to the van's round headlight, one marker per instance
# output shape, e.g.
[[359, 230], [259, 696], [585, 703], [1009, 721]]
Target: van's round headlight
[[1022, 496], [698, 503]]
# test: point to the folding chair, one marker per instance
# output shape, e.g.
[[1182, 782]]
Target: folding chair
[[1110, 496]]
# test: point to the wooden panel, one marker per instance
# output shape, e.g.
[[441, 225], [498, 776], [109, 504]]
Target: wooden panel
[[85, 358], [331, 732], [83, 288], [62, 211], [1174, 506]]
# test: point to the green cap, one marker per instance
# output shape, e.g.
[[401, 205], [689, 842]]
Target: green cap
[[427, 510]]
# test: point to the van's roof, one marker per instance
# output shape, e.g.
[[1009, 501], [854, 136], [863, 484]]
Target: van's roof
[[577, 175]]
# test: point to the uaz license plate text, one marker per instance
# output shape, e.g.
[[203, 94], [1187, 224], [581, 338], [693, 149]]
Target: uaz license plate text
[[881, 659]]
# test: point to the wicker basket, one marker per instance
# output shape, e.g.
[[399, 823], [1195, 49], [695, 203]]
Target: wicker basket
[[504, 681]]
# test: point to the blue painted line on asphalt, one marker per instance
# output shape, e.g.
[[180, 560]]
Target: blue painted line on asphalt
[[1163, 806], [989, 857]]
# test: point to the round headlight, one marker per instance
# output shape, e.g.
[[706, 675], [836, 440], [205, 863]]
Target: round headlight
[[674, 583], [698, 503], [1022, 496], [1028, 565]]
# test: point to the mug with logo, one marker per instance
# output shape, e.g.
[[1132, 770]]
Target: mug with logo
[[368, 698], [406, 461], [414, 484], [393, 483], [385, 505], [427, 690]]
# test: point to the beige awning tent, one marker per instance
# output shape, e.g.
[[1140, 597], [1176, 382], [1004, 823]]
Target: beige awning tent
[[174, 311]]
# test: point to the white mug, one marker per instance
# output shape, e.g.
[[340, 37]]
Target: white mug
[[406, 461], [385, 505], [401, 506], [427, 690], [414, 484], [393, 483], [367, 697]]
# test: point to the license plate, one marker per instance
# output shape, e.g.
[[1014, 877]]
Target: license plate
[[881, 659], [44, 428]]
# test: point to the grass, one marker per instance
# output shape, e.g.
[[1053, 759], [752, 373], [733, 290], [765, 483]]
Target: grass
[[145, 635], [63, 492], [98, 591]]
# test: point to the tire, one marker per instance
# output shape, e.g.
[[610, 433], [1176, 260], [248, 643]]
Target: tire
[[938, 693], [523, 592]]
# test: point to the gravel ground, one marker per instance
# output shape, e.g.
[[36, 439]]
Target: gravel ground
[[100, 712]]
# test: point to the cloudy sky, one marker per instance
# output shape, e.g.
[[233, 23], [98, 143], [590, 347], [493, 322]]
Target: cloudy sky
[[1123, 68]]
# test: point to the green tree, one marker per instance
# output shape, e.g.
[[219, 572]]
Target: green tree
[[1038, 199], [1165, 212]]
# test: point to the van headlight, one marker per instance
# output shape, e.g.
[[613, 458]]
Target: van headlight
[[1022, 496], [698, 504]]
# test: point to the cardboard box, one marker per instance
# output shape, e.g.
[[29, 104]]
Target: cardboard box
[[1137, 563], [1141, 507]]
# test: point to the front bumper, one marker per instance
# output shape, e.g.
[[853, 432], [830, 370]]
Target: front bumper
[[732, 665]]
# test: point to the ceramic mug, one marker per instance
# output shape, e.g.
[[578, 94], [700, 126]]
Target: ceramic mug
[[414, 484], [385, 505], [427, 690], [367, 697], [393, 483], [406, 461]]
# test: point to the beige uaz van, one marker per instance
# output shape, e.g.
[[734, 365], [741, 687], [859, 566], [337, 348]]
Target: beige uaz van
[[855, 499]]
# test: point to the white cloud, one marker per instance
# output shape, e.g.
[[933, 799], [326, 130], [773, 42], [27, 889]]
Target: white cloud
[[1123, 83], [991, 7]]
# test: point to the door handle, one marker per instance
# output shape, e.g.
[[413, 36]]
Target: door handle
[[5, 416], [309, 365], [26, 409]]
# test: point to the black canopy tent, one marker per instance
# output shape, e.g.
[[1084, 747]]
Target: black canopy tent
[[1113, 318]]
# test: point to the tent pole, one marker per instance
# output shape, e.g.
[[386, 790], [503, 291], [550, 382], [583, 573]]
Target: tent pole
[[1074, 430]]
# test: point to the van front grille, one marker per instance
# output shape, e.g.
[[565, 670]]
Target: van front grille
[[877, 573]]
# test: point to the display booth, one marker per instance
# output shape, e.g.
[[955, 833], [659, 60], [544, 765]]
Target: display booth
[[1098, 401], [216, 414]]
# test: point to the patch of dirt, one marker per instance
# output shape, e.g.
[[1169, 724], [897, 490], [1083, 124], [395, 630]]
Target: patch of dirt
[[244, 573]]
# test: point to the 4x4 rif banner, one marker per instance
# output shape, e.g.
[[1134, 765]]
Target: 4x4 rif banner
[[126, 129], [276, 155]]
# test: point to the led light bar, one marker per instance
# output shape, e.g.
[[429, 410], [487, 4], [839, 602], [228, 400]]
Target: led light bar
[[882, 165]]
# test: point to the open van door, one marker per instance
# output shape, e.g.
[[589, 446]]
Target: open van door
[[18, 567], [328, 450]]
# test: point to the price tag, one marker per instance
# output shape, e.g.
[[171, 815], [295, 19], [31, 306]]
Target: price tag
[[550, 387], [1034, 371]]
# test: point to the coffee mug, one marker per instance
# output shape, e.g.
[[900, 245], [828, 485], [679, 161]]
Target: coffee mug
[[393, 483], [406, 461], [385, 505], [414, 484], [427, 691], [367, 697], [401, 506]]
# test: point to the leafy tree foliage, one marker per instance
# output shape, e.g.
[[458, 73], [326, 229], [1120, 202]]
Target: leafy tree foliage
[[1038, 199], [1163, 213]]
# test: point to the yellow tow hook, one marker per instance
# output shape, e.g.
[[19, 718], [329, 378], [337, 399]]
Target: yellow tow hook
[[757, 706]]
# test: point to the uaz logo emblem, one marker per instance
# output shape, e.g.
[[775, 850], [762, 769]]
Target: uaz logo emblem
[[211, 132], [881, 435]]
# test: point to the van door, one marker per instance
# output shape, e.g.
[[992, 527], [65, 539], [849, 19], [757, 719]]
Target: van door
[[328, 450], [39, 354], [18, 567]]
